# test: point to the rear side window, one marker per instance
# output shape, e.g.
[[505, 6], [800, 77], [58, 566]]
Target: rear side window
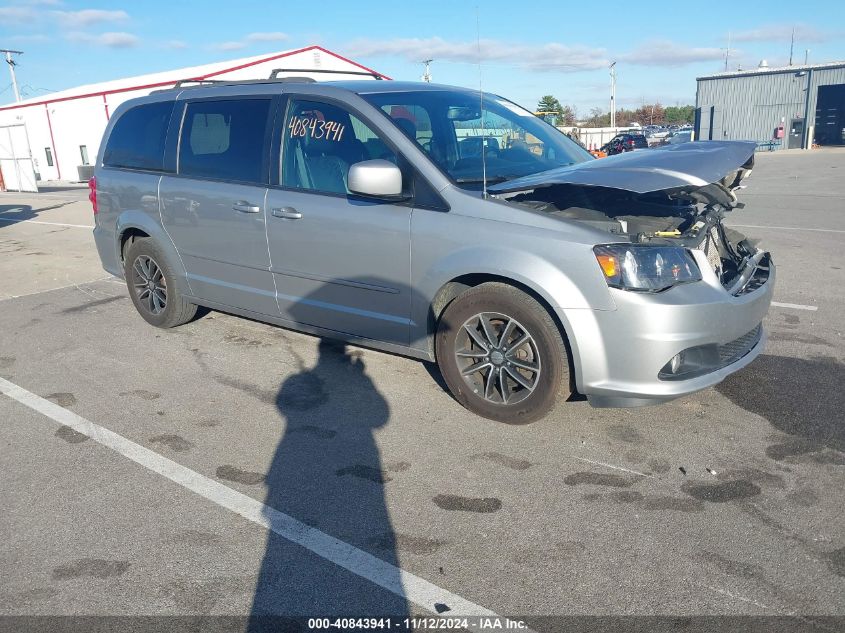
[[639, 141], [137, 138], [225, 140]]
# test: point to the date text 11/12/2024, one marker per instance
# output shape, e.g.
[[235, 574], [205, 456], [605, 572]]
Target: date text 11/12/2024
[[483, 623]]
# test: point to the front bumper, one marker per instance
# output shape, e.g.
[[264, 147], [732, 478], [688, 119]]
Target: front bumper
[[618, 354]]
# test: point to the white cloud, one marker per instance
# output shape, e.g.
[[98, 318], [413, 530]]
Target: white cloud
[[88, 17], [230, 46], [35, 37], [175, 45], [248, 40], [781, 32], [544, 57], [16, 15], [266, 37], [666, 53], [109, 40]]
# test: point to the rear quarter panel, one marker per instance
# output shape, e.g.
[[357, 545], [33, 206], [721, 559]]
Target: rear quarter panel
[[130, 200]]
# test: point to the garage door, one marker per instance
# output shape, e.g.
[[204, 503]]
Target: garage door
[[16, 166], [830, 115]]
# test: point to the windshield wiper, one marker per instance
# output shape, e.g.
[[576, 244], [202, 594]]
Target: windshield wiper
[[495, 180]]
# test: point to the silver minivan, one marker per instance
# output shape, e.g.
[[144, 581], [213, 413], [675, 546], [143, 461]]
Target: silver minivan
[[441, 224]]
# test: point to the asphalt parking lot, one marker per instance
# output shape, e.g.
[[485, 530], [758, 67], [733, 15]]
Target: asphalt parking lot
[[143, 470]]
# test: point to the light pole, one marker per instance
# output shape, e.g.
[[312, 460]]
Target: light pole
[[613, 94], [12, 64], [427, 74]]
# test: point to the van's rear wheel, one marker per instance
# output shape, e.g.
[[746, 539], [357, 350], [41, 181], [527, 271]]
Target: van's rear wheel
[[150, 282], [502, 355]]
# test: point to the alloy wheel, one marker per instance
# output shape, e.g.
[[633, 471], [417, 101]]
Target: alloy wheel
[[150, 284], [498, 358]]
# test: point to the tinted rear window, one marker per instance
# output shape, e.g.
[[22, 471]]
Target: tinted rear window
[[225, 140], [137, 138], [639, 141]]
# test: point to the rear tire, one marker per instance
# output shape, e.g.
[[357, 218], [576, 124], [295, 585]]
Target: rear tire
[[152, 286], [502, 355]]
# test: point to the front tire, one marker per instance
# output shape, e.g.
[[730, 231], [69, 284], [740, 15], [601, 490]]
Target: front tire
[[152, 287], [502, 355]]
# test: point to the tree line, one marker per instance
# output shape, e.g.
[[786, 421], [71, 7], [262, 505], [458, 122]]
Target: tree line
[[647, 114]]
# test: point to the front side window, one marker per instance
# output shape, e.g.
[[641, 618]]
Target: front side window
[[451, 128], [225, 140], [137, 138], [320, 141]]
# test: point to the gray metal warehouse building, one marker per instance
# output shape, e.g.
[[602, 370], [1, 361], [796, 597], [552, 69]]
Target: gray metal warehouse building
[[795, 105]]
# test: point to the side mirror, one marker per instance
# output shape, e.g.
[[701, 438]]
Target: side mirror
[[375, 178]]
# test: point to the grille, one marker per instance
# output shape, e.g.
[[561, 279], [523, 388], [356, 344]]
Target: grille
[[736, 349]]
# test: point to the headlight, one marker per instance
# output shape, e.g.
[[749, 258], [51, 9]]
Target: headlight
[[646, 268]]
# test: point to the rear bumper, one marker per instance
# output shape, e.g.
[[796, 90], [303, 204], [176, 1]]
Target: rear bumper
[[107, 248], [619, 353]]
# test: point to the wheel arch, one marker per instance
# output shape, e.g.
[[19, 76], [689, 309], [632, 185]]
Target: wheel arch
[[453, 288], [132, 225]]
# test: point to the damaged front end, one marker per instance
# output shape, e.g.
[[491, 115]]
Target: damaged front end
[[673, 196]]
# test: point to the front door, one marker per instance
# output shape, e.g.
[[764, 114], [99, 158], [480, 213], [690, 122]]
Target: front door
[[214, 208], [341, 262]]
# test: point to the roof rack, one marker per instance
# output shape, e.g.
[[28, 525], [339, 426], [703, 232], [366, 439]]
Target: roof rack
[[276, 71], [182, 82], [300, 80]]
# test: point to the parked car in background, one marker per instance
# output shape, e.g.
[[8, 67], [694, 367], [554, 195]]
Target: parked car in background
[[682, 136], [624, 143]]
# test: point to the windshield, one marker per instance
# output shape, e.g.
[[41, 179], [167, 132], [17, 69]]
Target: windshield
[[449, 127]]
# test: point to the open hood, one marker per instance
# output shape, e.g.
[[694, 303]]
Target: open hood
[[686, 166]]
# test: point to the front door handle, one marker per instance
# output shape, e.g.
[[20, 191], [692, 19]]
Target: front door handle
[[245, 207], [286, 212]]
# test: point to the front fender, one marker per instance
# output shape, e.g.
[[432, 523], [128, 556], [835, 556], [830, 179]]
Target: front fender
[[574, 284]]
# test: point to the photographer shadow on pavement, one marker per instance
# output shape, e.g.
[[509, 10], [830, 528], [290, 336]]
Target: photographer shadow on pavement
[[327, 473]]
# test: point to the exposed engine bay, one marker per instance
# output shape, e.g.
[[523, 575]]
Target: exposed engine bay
[[688, 216]]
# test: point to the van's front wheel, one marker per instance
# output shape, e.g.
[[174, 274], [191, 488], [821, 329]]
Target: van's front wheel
[[501, 354]]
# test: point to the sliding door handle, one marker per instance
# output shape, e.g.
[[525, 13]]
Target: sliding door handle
[[286, 212], [245, 207]]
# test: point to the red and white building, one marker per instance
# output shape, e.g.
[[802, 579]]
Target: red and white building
[[64, 128]]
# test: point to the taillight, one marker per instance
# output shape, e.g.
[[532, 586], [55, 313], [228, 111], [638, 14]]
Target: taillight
[[92, 194]]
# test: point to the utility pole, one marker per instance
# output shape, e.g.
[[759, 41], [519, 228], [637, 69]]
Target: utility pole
[[728, 51], [791, 45], [806, 55], [427, 73], [12, 65], [613, 94]]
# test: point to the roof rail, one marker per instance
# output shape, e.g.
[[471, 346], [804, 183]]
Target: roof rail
[[276, 71], [306, 80], [182, 82]]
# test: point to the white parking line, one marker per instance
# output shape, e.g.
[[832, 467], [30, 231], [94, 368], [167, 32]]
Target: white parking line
[[794, 306], [786, 228], [394, 579], [39, 292], [58, 196], [612, 467], [76, 226]]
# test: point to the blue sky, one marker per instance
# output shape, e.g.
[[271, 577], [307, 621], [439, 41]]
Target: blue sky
[[526, 49]]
